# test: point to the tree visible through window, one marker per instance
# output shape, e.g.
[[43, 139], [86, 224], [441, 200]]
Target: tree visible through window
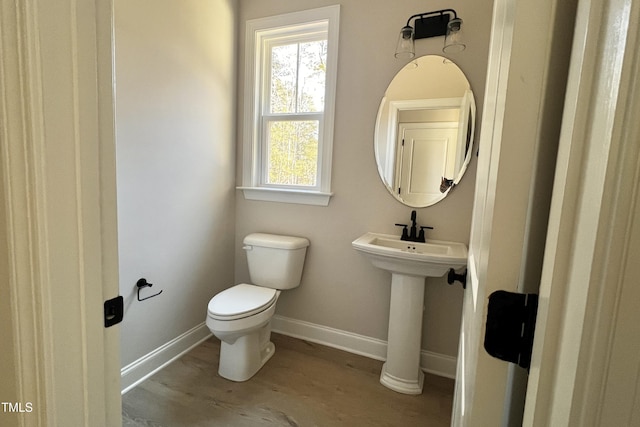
[[296, 104]]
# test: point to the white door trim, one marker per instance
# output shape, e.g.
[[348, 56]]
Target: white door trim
[[59, 199], [23, 204], [595, 196]]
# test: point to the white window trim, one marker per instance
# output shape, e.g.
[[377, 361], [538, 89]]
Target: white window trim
[[256, 29]]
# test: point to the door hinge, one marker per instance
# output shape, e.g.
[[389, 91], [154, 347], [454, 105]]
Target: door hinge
[[113, 311], [511, 323]]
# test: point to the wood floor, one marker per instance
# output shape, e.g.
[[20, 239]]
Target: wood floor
[[304, 384]]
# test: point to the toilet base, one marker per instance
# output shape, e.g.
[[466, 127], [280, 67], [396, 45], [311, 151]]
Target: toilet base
[[244, 358]]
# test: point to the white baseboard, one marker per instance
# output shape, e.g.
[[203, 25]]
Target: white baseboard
[[433, 363], [138, 371]]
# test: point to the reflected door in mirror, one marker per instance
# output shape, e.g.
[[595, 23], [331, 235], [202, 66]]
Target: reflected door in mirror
[[428, 155], [430, 107]]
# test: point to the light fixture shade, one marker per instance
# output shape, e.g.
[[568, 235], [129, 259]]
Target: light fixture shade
[[405, 48], [453, 40]]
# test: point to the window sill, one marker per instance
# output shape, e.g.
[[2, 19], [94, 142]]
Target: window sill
[[280, 195]]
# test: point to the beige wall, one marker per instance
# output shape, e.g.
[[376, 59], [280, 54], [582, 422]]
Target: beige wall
[[175, 125], [340, 289]]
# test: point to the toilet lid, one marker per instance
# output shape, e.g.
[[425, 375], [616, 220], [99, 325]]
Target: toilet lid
[[241, 301]]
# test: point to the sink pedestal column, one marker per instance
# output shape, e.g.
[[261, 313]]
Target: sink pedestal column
[[401, 372]]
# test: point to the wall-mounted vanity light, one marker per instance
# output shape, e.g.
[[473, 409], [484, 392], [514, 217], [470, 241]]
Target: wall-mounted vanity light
[[431, 24]]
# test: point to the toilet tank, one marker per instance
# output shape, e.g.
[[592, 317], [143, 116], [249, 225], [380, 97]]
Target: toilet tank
[[275, 261]]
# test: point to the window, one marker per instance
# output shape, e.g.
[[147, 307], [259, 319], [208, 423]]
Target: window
[[291, 63]]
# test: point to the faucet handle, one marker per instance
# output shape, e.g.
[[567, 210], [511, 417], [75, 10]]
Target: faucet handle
[[421, 235], [405, 231]]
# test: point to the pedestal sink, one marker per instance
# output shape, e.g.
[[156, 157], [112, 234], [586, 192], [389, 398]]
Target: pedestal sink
[[409, 263]]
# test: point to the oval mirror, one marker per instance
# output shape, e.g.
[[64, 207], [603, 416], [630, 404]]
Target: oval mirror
[[424, 131]]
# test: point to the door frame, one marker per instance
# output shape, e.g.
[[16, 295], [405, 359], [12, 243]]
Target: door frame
[[59, 194], [596, 190]]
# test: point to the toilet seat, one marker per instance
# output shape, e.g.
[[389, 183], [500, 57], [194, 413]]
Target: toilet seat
[[241, 301]]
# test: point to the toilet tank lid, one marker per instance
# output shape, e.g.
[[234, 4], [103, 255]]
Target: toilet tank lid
[[275, 241]]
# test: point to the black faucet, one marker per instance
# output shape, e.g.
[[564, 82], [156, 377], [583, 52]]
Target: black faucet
[[413, 235]]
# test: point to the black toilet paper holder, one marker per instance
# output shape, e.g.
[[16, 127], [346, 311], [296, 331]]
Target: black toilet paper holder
[[142, 283]]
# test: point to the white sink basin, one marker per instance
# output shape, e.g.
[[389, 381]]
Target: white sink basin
[[431, 259]]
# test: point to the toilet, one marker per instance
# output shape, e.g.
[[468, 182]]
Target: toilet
[[240, 316]]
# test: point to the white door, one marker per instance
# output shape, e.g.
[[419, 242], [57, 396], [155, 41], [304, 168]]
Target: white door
[[513, 190], [427, 154], [572, 368], [59, 193]]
